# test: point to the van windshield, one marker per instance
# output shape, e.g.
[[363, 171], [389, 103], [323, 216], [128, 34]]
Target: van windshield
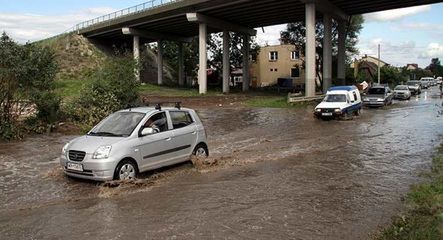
[[119, 124], [335, 98]]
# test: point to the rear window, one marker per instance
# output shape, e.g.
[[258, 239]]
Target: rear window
[[401, 88], [376, 91], [180, 119]]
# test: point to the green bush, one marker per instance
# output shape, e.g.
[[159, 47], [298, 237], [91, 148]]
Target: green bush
[[27, 75], [110, 89]]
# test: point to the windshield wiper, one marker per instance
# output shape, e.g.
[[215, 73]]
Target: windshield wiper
[[106, 134]]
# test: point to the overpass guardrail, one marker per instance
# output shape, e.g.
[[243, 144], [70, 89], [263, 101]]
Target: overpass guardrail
[[122, 13]]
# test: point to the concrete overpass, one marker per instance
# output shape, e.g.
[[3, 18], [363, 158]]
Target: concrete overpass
[[180, 20]]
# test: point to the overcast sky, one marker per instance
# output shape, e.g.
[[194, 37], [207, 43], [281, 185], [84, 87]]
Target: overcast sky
[[409, 35]]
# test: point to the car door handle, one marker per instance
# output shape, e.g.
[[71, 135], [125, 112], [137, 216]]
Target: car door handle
[[195, 132], [168, 139]]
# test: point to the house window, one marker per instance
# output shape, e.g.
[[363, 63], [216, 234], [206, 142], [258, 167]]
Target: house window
[[295, 72], [273, 56], [295, 55]]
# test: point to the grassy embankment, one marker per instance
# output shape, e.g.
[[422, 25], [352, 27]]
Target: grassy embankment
[[70, 88], [423, 218]]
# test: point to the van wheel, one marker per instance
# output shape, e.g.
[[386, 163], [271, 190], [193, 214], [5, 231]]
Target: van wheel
[[347, 116], [358, 112], [200, 151], [125, 170]]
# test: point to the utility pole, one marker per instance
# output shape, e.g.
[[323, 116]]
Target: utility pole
[[378, 65]]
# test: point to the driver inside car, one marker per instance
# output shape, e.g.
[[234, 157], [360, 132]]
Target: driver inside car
[[156, 123]]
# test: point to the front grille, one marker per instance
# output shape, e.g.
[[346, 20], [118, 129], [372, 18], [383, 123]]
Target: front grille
[[328, 110], [76, 155]]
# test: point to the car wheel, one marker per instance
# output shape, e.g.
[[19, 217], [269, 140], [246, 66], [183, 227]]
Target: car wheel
[[200, 151], [125, 170]]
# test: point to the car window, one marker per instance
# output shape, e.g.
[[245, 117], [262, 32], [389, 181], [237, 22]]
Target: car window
[[180, 119], [376, 91], [157, 121], [401, 88], [118, 124]]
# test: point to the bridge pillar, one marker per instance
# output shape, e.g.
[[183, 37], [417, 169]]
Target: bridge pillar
[[203, 59], [160, 62], [341, 56], [181, 65], [226, 62], [327, 53], [310, 71], [246, 46], [136, 52]]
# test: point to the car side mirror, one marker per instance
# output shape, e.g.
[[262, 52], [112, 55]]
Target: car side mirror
[[147, 131]]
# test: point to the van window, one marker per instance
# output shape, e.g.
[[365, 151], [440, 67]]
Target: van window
[[335, 98], [355, 97], [180, 119]]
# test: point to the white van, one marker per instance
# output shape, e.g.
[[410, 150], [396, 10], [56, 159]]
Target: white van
[[340, 102]]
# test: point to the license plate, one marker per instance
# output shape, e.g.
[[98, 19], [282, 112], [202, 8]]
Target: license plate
[[326, 114], [75, 167]]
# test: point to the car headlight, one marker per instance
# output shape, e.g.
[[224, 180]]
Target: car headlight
[[365, 99], [380, 99], [102, 152], [318, 109], [337, 110], [65, 148]]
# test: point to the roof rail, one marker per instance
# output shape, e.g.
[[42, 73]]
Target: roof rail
[[158, 105]]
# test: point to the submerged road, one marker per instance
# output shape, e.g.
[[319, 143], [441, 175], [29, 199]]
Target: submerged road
[[276, 174]]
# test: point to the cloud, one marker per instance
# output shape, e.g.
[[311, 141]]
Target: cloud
[[394, 53], [270, 36], [393, 15], [434, 50], [31, 27]]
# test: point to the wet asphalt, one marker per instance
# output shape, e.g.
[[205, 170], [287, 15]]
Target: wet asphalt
[[276, 174]]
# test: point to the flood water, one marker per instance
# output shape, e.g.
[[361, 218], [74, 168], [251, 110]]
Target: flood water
[[276, 174]]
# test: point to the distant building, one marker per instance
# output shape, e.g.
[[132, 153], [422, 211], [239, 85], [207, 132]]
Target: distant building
[[368, 66], [412, 66], [274, 62]]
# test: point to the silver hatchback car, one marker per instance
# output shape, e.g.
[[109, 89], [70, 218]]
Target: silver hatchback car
[[135, 140]]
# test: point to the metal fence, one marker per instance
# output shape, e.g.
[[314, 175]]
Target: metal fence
[[122, 13]]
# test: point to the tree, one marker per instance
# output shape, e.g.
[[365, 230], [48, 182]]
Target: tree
[[435, 67], [235, 49], [391, 75], [215, 52], [295, 33], [190, 50]]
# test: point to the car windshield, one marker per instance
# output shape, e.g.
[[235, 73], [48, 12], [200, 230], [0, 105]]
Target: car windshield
[[412, 83], [401, 88], [379, 91], [119, 124], [335, 98]]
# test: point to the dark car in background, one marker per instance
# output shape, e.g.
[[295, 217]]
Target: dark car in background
[[414, 86], [378, 96]]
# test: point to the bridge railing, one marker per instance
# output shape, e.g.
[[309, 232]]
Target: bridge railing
[[122, 13]]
